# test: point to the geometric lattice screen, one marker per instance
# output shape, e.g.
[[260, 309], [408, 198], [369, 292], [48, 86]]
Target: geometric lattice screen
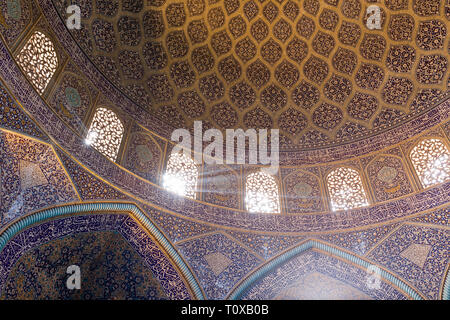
[[181, 175], [38, 60], [346, 189], [261, 193], [431, 159], [106, 133]]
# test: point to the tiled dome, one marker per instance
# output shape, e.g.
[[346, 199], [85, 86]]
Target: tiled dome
[[271, 58]]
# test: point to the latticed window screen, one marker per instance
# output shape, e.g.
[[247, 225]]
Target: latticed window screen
[[262, 193], [38, 60], [431, 159], [346, 189], [181, 175], [106, 133]]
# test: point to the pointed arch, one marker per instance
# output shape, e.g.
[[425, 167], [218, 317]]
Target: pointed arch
[[143, 155], [168, 254], [252, 279], [303, 192], [387, 176], [221, 185], [346, 189]]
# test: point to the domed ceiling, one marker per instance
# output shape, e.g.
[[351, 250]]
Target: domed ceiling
[[311, 68]]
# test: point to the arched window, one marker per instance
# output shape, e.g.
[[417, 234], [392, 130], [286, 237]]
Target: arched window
[[106, 133], [431, 159], [181, 175], [38, 60], [346, 189], [261, 193]]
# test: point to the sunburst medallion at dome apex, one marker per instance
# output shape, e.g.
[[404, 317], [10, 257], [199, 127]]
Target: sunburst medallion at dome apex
[[310, 68]]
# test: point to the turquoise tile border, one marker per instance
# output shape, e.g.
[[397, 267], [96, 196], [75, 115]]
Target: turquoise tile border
[[132, 209], [446, 288], [246, 285]]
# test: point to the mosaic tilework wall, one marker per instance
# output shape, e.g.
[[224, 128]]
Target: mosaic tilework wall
[[359, 242], [388, 178], [144, 154], [13, 118], [111, 269], [419, 254], [218, 186], [219, 263], [89, 187], [108, 246], [302, 192], [263, 245], [72, 98], [415, 251], [16, 16], [31, 177], [322, 277]]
